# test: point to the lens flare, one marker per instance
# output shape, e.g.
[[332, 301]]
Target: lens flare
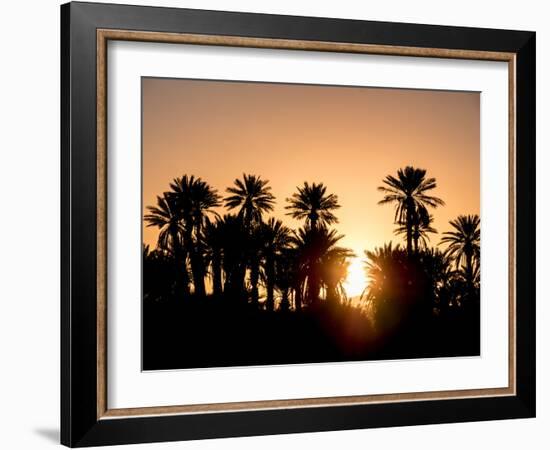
[[356, 280]]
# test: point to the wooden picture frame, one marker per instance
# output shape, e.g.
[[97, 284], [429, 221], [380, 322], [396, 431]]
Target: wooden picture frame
[[86, 418]]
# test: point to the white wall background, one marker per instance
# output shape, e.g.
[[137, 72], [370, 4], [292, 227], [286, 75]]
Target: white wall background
[[29, 224]]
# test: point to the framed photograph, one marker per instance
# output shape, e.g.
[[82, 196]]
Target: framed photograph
[[276, 224]]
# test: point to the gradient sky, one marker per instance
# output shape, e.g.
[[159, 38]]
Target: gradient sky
[[349, 138]]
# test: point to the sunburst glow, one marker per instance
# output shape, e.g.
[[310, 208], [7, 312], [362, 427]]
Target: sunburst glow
[[356, 280]]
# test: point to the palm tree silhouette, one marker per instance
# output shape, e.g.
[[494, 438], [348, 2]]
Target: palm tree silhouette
[[422, 225], [312, 203], [252, 196], [437, 267], [464, 245], [166, 218], [382, 265], [392, 287], [214, 239], [287, 271], [334, 269], [314, 244], [253, 254], [161, 279], [408, 192], [275, 237], [234, 237], [194, 199]]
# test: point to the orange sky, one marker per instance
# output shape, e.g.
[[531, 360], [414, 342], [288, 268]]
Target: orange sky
[[350, 138]]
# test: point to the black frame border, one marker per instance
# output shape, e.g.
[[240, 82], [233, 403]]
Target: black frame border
[[79, 423]]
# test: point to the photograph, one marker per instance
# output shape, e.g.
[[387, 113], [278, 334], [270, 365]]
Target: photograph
[[296, 224]]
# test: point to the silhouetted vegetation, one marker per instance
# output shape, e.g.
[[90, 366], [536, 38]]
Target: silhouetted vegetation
[[242, 288]]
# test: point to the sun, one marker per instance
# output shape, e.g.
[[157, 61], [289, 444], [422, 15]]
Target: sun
[[356, 280]]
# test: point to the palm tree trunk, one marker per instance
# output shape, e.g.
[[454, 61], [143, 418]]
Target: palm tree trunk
[[409, 225], [180, 257], [238, 284], [270, 282], [298, 297], [285, 304], [196, 267], [227, 282], [332, 295], [181, 261], [198, 274], [201, 266], [254, 278], [216, 273], [230, 288], [469, 274], [313, 288], [313, 222]]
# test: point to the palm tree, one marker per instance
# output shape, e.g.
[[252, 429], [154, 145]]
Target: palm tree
[[408, 192], [194, 199], [213, 239], [165, 217], [389, 284], [437, 268], [252, 196], [312, 203], [334, 269], [253, 254], [381, 264], [233, 238], [314, 244], [464, 246], [287, 273], [422, 225], [275, 237], [160, 275]]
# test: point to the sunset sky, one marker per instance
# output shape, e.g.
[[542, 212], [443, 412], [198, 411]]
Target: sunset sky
[[349, 138]]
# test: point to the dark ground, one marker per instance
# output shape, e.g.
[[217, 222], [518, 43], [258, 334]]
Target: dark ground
[[213, 333]]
